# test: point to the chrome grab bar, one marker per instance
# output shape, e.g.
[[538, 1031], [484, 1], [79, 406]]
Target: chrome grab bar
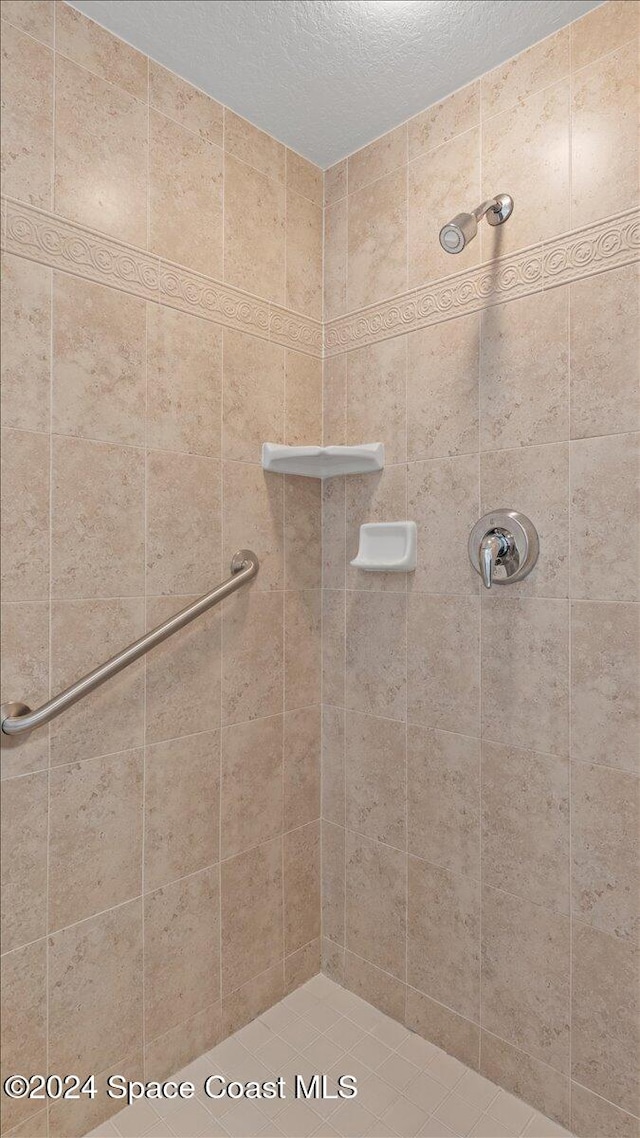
[[17, 718]]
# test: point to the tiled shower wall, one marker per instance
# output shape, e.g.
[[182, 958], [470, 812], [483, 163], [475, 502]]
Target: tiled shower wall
[[161, 843], [480, 761]]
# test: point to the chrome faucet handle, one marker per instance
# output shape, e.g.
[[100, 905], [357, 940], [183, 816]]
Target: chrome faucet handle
[[507, 539], [493, 548]]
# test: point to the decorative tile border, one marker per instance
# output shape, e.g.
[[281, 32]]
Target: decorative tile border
[[41, 236], [584, 252]]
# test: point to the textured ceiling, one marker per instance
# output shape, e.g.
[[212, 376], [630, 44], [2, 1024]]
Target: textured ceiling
[[328, 76]]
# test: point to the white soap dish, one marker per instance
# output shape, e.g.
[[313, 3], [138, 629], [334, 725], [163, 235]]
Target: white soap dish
[[323, 462], [387, 547]]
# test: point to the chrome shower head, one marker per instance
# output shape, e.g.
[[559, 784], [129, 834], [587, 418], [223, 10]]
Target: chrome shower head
[[464, 226]]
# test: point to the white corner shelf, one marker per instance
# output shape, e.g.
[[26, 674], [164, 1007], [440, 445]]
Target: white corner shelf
[[387, 547], [323, 462]]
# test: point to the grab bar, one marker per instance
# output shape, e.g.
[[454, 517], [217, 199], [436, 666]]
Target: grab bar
[[17, 718]]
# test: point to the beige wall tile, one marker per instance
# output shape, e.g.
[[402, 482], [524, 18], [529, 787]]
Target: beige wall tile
[[605, 844], [252, 680], [70, 1119], [180, 1045], [334, 530], [334, 412], [335, 259], [36, 1126], [36, 18], [183, 674], [303, 533], [184, 378], [444, 120], [95, 836], [456, 1035], [304, 177], [380, 157], [181, 807], [98, 362], [98, 520], [376, 778], [376, 888], [303, 399], [378, 497], [525, 825], [603, 478], [24, 859], [604, 136], [443, 676], [252, 999], [73, 1117], [254, 231], [304, 255], [437, 181], [26, 344], [522, 1075], [111, 719], [189, 106], [332, 956], [181, 920], [252, 784], [443, 795], [254, 146], [374, 986], [95, 977], [25, 676], [334, 647], [93, 47], [537, 130], [24, 1022], [100, 155], [605, 1049], [442, 389], [525, 976], [605, 700], [302, 648], [529, 71], [27, 99], [333, 764], [535, 481], [253, 518], [183, 523], [592, 1115], [525, 697], [443, 937], [253, 396], [302, 746], [302, 965], [335, 182], [605, 341], [524, 383], [301, 862], [333, 882], [375, 654], [443, 500], [25, 516], [602, 30], [252, 922], [377, 245], [376, 394], [185, 196]]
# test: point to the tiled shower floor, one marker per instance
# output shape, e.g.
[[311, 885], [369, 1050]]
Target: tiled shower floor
[[406, 1086]]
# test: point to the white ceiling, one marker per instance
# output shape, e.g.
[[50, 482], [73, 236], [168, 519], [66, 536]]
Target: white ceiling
[[328, 76]]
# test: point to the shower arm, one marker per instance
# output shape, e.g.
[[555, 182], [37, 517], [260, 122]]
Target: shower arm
[[491, 203], [17, 718]]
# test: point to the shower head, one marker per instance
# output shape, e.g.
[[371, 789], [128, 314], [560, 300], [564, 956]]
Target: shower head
[[464, 226]]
